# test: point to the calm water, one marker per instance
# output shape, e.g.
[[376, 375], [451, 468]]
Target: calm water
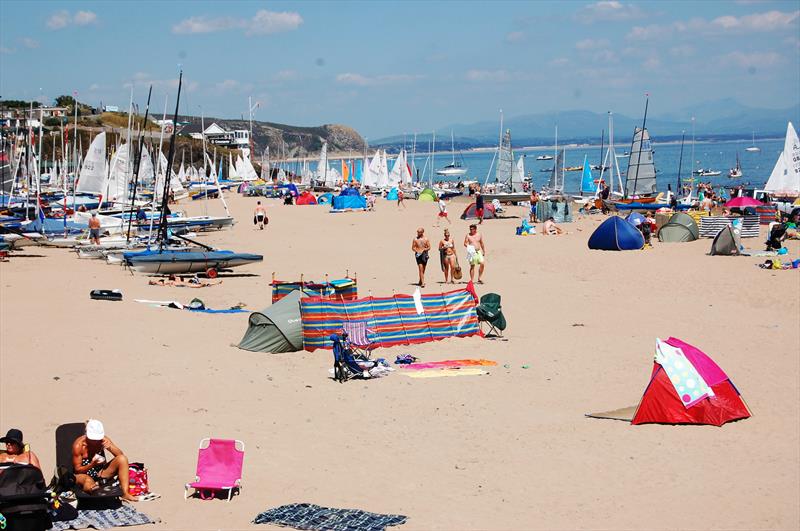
[[720, 156]]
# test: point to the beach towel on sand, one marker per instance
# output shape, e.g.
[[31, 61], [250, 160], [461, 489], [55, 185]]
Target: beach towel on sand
[[316, 518], [105, 519]]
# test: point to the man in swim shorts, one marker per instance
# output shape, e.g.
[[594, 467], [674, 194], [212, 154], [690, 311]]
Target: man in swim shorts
[[479, 206], [420, 245], [259, 216], [476, 252], [94, 229]]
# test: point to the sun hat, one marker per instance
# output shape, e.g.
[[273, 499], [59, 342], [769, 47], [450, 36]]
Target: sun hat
[[94, 430], [14, 435]]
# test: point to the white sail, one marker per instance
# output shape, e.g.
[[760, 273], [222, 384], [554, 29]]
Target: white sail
[[322, 165], [785, 177], [233, 175], [517, 175], [182, 174], [247, 172], [405, 172], [146, 172], [398, 170], [119, 175], [93, 172], [557, 176], [505, 160], [641, 175], [382, 173], [370, 170]]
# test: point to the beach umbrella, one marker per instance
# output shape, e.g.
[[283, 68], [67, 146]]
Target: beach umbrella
[[742, 202]]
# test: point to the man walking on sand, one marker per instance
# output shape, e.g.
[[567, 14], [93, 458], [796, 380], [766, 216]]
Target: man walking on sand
[[260, 216], [420, 245], [476, 252], [479, 206]]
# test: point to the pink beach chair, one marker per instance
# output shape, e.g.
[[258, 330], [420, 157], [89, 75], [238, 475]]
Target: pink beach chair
[[219, 467], [357, 338]]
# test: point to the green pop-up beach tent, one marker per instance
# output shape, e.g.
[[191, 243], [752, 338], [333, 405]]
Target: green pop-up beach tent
[[277, 328]]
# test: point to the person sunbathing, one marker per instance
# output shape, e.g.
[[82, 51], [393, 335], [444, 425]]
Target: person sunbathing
[[192, 282], [550, 228], [15, 450], [90, 465]]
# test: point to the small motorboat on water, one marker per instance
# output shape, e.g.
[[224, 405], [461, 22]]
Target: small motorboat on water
[[544, 157], [710, 173], [452, 170], [166, 262]]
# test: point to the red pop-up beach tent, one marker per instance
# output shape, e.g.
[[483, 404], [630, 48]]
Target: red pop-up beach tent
[[663, 404]]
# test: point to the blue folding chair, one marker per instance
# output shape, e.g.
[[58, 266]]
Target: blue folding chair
[[345, 364]]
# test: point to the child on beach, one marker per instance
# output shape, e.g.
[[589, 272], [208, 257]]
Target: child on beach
[[442, 212]]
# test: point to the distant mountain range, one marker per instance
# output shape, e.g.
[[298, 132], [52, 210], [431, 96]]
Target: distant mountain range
[[717, 119]]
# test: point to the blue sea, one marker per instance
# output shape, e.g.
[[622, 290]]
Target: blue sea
[[715, 155]]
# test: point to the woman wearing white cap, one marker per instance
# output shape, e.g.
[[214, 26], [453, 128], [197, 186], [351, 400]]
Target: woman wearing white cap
[[89, 462]]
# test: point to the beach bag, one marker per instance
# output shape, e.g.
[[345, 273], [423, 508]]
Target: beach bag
[[138, 483], [457, 270]]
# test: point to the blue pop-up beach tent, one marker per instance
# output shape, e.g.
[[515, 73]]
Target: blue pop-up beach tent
[[616, 234], [349, 199]]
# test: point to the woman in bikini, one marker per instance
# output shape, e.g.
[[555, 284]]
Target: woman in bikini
[[447, 249]]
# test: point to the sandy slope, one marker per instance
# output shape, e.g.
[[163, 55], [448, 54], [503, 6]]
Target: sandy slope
[[511, 450]]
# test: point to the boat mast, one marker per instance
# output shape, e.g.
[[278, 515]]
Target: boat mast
[[602, 138], [158, 167], [641, 146], [691, 180], [433, 159], [680, 165], [138, 163], [170, 156]]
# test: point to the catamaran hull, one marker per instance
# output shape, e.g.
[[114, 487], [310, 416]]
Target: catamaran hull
[[180, 265], [452, 173]]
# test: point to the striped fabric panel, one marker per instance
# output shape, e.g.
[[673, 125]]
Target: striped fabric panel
[[711, 225], [392, 320], [281, 289]]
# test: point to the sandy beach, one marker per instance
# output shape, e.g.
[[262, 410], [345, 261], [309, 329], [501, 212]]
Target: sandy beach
[[508, 450]]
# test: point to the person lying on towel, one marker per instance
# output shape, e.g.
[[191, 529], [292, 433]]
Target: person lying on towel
[[91, 468]]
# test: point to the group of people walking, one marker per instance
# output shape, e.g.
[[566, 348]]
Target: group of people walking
[[475, 253]]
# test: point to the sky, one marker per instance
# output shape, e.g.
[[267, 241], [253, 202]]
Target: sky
[[388, 68]]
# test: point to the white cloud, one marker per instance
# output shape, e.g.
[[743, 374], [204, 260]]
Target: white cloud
[[263, 23], [62, 19], [610, 10], [6, 50], [591, 44], [83, 18], [726, 24], [228, 84], [144, 79], [58, 20], [515, 36], [266, 22], [605, 56], [359, 80], [683, 50], [795, 41], [559, 61], [652, 63], [286, 75], [27, 42], [94, 87], [769, 21], [752, 59]]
